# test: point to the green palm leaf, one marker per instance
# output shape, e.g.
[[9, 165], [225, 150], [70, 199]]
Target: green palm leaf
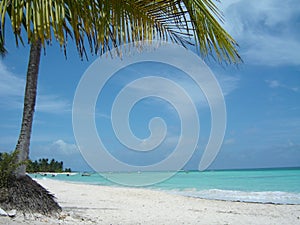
[[101, 24]]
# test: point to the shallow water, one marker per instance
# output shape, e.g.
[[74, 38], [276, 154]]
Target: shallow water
[[271, 185]]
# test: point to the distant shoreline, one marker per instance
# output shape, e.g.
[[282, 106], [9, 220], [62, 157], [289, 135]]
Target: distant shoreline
[[207, 170], [53, 173]]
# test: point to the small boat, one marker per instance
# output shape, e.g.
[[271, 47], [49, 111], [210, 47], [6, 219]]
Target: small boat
[[85, 174]]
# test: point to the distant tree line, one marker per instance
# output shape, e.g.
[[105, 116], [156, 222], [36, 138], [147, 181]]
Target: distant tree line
[[44, 165], [7, 161]]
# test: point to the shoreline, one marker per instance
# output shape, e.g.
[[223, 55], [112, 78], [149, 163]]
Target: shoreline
[[95, 204], [169, 192], [218, 185]]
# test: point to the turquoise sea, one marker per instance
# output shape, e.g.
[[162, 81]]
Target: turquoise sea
[[281, 186]]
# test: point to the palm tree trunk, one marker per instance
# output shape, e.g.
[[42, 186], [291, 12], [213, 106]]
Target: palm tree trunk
[[29, 104]]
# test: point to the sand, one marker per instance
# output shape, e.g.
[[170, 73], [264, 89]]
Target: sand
[[91, 204]]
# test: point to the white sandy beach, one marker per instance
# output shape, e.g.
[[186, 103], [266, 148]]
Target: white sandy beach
[[91, 204]]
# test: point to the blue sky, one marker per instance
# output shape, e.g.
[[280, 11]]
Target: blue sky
[[262, 96]]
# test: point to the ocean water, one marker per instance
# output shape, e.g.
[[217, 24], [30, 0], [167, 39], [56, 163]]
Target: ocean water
[[279, 186]]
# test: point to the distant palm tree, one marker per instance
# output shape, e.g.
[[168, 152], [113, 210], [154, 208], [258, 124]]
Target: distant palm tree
[[103, 24]]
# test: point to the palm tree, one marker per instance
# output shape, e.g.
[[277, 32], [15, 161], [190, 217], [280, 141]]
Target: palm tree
[[99, 25]]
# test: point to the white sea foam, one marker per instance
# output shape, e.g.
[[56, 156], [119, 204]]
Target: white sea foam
[[276, 197]]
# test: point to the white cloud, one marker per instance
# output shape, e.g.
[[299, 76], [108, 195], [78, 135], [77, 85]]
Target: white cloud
[[52, 104], [227, 84], [273, 83], [266, 30], [291, 143], [10, 84], [12, 92], [103, 115], [277, 84], [62, 151], [229, 141], [63, 148], [11, 88]]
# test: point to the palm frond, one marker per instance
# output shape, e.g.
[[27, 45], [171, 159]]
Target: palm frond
[[209, 34], [102, 24]]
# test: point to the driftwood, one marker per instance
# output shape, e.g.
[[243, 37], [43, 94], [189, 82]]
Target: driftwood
[[26, 195]]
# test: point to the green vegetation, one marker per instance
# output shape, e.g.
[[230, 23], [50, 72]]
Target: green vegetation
[[7, 167], [43, 165], [8, 164], [11, 187]]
